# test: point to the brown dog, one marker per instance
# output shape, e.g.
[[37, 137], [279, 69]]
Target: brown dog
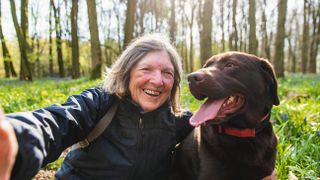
[[234, 138]]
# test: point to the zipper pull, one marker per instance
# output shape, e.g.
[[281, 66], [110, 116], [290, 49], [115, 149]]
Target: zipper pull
[[140, 123]]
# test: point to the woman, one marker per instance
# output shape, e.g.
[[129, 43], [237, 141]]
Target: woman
[[138, 142]]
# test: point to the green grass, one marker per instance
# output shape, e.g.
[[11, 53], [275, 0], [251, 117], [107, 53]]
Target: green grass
[[25, 96], [296, 120], [297, 125]]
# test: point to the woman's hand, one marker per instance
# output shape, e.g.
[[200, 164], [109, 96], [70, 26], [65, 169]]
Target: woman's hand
[[8, 148]]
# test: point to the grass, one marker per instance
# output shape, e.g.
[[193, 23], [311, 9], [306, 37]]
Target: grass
[[297, 125], [296, 120]]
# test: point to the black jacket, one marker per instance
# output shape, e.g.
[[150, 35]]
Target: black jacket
[[135, 145]]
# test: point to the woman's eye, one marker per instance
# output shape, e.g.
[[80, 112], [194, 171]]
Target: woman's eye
[[168, 73], [145, 69]]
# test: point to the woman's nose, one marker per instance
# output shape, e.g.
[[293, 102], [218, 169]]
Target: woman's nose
[[157, 79]]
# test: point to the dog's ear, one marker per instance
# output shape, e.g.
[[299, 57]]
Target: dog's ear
[[270, 77]]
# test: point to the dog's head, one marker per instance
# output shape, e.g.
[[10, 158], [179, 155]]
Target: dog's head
[[237, 86]]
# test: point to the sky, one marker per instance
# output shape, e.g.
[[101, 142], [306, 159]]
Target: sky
[[43, 6]]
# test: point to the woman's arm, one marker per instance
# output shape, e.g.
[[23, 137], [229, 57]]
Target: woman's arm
[[44, 133]]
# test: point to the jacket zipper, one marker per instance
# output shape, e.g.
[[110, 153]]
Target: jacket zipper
[[140, 126]]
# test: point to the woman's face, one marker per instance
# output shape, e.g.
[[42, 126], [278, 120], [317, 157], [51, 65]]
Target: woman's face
[[151, 80]]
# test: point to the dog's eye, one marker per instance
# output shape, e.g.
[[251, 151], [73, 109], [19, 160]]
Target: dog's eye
[[229, 65]]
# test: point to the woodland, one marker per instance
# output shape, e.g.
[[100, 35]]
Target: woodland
[[51, 49], [78, 38]]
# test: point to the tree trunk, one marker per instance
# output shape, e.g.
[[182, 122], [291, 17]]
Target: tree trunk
[[25, 72], [252, 31], [191, 52], [205, 30], [190, 24], [222, 25], [130, 21], [8, 66], [142, 9], [280, 36], [242, 26], [234, 36], [96, 61], [291, 56], [183, 46], [305, 38], [265, 38], [74, 40], [292, 43], [312, 65], [58, 29], [117, 14], [173, 25], [25, 24], [50, 43]]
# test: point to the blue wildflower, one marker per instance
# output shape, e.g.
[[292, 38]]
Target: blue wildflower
[[305, 120], [318, 133]]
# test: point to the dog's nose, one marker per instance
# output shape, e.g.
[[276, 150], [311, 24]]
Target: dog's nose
[[195, 76]]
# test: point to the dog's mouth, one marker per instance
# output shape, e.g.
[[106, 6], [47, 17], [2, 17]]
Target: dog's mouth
[[217, 110]]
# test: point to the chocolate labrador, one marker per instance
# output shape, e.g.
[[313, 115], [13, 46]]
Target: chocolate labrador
[[233, 138]]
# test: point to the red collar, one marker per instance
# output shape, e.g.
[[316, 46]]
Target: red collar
[[248, 132]]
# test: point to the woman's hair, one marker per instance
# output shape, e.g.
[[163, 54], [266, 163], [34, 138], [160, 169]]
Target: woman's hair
[[117, 78]]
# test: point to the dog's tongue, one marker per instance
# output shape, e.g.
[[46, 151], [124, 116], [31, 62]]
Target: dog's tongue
[[207, 111]]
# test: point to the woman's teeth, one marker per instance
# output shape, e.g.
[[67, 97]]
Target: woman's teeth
[[152, 93]]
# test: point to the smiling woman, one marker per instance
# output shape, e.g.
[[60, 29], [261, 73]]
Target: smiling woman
[[152, 80], [156, 61], [139, 141]]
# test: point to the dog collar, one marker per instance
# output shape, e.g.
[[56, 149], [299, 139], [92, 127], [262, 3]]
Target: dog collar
[[243, 133]]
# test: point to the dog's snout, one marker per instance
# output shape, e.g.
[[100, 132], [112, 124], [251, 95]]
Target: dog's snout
[[195, 76]]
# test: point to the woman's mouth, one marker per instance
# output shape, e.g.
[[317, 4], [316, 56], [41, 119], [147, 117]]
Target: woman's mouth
[[151, 92]]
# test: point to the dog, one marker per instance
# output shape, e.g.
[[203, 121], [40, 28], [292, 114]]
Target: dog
[[233, 138]]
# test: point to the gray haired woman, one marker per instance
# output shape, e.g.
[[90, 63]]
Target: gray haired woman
[[139, 141]]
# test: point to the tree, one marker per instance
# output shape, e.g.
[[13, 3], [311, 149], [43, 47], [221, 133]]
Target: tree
[[315, 38], [96, 61], [74, 40], [243, 28], [280, 36], [25, 72], [117, 13], [58, 30], [190, 20], [234, 34], [35, 49], [205, 25], [50, 42], [252, 30], [181, 43], [8, 65], [265, 38], [141, 11], [130, 21], [222, 25], [305, 37], [292, 38], [173, 25]]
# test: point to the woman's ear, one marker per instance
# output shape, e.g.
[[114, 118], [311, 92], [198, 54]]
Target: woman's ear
[[269, 75]]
